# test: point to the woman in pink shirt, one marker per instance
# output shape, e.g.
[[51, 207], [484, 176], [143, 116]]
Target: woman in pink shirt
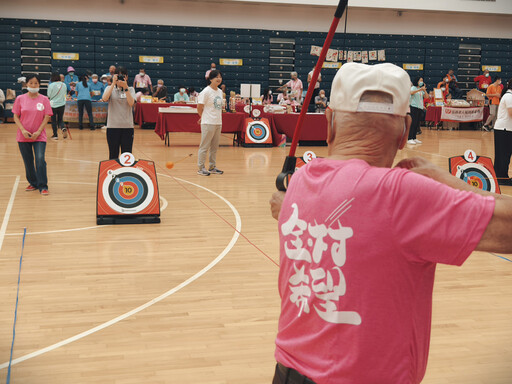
[[32, 112]]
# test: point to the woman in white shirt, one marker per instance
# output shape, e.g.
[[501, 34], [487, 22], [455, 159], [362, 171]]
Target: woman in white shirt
[[209, 107], [503, 136]]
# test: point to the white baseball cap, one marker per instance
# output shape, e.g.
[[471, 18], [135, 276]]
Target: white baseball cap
[[354, 79]]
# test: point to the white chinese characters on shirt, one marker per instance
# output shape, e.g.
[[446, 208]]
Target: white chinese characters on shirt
[[327, 285]]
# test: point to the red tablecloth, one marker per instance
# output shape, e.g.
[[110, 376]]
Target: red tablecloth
[[148, 112], [314, 127], [188, 122], [434, 114]]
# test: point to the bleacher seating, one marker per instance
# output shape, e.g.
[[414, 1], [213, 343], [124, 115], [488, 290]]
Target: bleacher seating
[[188, 51]]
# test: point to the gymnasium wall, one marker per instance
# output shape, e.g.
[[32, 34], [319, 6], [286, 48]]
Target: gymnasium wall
[[169, 28]]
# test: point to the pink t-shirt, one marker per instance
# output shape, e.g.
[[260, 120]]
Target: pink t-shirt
[[296, 87], [359, 247], [31, 113]]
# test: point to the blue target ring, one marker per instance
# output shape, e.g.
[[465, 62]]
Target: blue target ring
[[472, 174], [116, 185]]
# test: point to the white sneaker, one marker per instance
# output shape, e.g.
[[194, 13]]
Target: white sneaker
[[418, 141], [411, 142]]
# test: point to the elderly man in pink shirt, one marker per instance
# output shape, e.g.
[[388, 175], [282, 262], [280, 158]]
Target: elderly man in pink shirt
[[295, 84], [360, 241], [142, 82]]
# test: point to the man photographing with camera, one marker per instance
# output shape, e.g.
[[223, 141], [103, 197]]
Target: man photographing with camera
[[120, 98]]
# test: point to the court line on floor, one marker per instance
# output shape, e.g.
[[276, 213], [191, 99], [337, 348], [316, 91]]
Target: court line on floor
[[170, 292], [501, 257], [8, 211]]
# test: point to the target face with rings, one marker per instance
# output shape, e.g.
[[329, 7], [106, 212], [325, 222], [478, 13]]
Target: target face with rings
[[477, 171], [127, 190], [258, 132]]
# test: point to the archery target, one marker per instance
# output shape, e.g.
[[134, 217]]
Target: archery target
[[257, 132], [477, 175], [127, 190]]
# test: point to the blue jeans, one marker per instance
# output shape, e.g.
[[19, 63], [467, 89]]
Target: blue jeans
[[36, 176]]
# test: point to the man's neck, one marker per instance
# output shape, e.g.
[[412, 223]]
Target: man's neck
[[379, 154]]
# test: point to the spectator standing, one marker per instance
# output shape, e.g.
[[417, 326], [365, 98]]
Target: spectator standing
[[142, 83], [121, 99], [453, 85], [209, 107], [32, 112], [111, 71], [2, 106], [321, 102], [356, 279], [160, 90], [418, 93], [494, 95], [503, 136], [295, 85], [483, 81], [84, 98], [181, 95], [213, 67], [97, 88], [57, 96], [316, 91], [71, 80]]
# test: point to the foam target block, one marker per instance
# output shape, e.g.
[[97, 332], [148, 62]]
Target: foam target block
[[257, 133], [127, 194], [477, 171]]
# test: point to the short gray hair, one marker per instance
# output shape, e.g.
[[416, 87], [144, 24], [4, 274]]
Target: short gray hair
[[294, 73]]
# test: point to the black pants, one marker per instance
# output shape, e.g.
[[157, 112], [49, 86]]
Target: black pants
[[312, 105], [88, 106], [415, 125], [502, 152], [119, 137], [284, 375], [57, 119]]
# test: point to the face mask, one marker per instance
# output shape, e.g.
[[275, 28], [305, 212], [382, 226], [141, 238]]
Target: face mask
[[32, 90], [104, 81], [486, 75], [269, 92], [94, 81], [421, 83], [446, 80], [182, 90], [443, 89], [160, 85], [141, 74]]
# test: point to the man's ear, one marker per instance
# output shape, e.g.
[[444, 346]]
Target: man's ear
[[405, 135]]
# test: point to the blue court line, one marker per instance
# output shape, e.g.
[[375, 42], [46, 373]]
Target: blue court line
[[501, 257], [16, 308]]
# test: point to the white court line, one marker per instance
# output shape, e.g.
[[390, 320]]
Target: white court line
[[126, 315], [3, 228], [427, 153]]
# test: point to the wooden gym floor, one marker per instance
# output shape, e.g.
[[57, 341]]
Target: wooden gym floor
[[192, 300]]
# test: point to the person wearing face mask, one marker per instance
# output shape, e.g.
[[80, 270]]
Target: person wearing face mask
[[418, 93], [142, 83], [97, 88], [494, 95], [181, 95], [321, 102], [32, 111], [483, 81], [443, 85], [213, 67], [161, 90], [267, 97], [71, 80]]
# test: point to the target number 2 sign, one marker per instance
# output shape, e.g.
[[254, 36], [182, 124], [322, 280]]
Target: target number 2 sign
[[126, 159]]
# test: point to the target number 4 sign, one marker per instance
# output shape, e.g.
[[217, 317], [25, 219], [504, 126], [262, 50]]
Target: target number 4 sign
[[470, 156]]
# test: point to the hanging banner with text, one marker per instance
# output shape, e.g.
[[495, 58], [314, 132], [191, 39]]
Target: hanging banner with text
[[413, 67], [151, 59], [462, 114], [491, 68], [235, 62], [65, 56]]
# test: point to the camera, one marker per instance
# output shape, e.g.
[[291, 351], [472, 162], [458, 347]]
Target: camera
[[120, 77]]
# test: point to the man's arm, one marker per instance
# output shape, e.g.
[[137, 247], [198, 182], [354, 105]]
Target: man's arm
[[496, 237]]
